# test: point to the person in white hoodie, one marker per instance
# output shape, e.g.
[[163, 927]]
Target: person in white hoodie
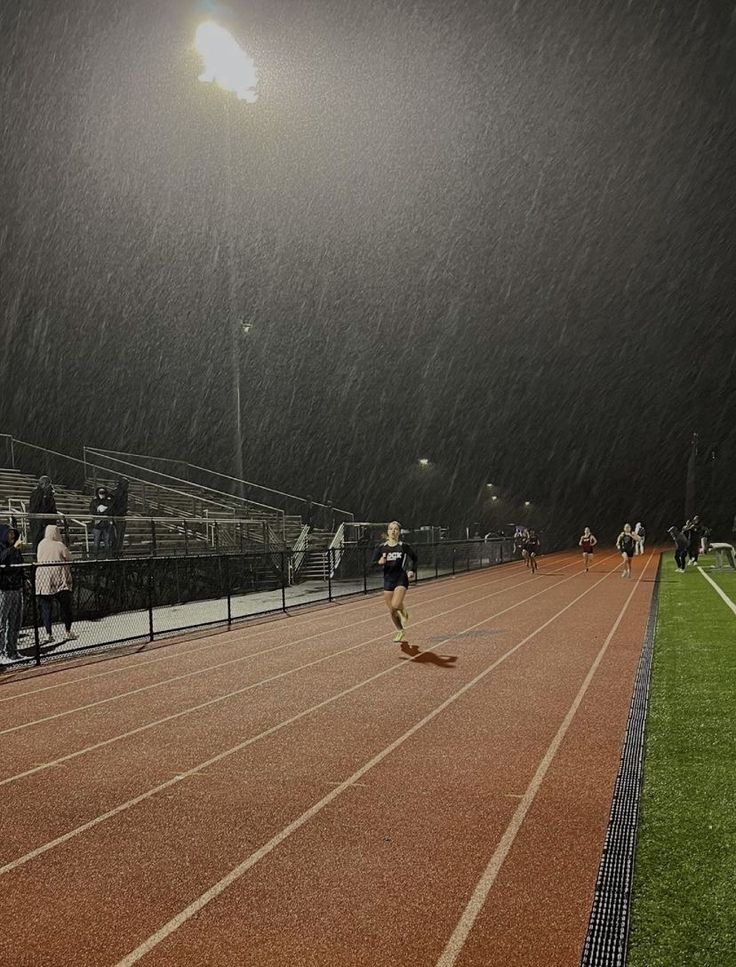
[[641, 534], [54, 580]]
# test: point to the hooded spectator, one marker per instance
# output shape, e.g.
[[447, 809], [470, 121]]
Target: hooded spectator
[[42, 502], [54, 580]]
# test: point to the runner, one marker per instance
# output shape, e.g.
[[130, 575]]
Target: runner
[[392, 555], [626, 543], [531, 550], [521, 536], [587, 542]]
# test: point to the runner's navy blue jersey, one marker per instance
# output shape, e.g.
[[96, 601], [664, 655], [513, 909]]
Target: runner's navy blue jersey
[[396, 557]]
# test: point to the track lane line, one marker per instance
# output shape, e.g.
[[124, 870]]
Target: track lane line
[[237, 872], [65, 837], [459, 936], [344, 602], [271, 626], [237, 660]]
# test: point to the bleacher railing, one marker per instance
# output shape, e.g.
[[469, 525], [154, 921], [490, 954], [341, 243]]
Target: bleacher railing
[[120, 601], [325, 516]]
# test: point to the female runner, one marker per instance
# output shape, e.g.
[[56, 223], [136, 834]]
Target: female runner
[[626, 543], [587, 542], [392, 555], [531, 549]]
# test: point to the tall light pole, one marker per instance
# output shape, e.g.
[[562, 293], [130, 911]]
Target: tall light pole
[[228, 66]]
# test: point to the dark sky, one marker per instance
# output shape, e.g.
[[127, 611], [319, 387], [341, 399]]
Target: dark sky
[[499, 235]]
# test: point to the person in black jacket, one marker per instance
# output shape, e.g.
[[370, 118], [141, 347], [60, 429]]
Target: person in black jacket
[[119, 511], [100, 508], [42, 501], [681, 546], [11, 595], [393, 555]]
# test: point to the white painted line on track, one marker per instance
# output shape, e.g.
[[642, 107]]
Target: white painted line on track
[[459, 936], [291, 671], [720, 590], [193, 908], [21, 860], [205, 644], [239, 659]]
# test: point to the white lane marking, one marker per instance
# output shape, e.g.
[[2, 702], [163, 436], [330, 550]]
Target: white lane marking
[[259, 629], [461, 932], [216, 889], [264, 681], [21, 860], [719, 589], [238, 642]]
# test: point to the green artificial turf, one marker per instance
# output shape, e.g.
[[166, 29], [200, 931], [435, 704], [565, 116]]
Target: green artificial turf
[[684, 896]]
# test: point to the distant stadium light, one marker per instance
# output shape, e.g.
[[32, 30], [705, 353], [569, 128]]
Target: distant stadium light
[[527, 503], [225, 62], [489, 485], [424, 462], [494, 497]]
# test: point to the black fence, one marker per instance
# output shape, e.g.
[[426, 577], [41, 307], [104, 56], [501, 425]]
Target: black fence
[[52, 611]]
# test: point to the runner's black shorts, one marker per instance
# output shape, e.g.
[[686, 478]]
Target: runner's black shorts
[[393, 581]]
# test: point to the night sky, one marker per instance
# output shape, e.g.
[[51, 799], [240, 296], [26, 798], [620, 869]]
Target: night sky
[[498, 235]]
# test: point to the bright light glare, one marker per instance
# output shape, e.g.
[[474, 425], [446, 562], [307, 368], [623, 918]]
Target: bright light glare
[[225, 62], [424, 462]]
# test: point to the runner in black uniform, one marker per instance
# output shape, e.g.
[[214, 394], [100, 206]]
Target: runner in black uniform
[[531, 549], [393, 554], [626, 543]]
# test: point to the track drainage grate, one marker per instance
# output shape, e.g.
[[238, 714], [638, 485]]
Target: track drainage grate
[[608, 929]]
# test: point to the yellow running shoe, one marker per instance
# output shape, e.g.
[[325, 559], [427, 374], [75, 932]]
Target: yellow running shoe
[[399, 636]]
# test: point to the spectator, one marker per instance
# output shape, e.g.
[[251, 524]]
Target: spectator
[[329, 517], [42, 502], [100, 508], [681, 545], [119, 511], [11, 595], [641, 533], [694, 531], [54, 580]]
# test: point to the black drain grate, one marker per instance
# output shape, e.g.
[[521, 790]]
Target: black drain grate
[[608, 929]]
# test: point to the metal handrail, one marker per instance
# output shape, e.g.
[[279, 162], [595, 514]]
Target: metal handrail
[[107, 454], [224, 476], [336, 549]]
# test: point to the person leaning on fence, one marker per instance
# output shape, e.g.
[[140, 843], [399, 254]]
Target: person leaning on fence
[[54, 580], [101, 508], [41, 502], [11, 595]]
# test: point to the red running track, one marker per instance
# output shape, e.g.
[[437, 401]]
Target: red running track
[[302, 792]]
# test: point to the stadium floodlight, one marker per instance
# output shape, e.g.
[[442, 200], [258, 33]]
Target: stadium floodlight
[[225, 62], [527, 503], [424, 462], [494, 497]]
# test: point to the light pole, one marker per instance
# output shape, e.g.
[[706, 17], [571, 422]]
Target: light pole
[[228, 66]]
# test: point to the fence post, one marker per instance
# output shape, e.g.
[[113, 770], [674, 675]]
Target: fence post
[[153, 537], [37, 637], [365, 571], [217, 536], [453, 561], [467, 558], [283, 580], [227, 587], [329, 574], [436, 562], [150, 598], [186, 538], [500, 552]]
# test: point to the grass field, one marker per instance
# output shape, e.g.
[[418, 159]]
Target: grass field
[[684, 898]]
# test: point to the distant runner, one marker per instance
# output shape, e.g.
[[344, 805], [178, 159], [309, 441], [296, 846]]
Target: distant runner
[[587, 542], [392, 556], [626, 543], [531, 550]]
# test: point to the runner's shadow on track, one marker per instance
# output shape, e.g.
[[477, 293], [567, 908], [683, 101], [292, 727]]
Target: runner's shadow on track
[[413, 653]]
